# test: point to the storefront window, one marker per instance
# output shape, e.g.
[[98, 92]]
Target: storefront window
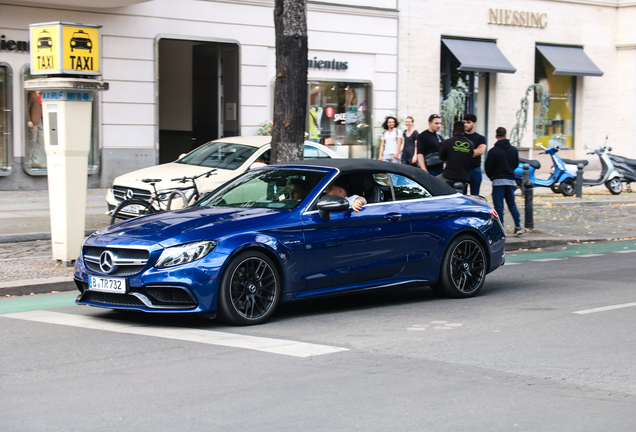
[[5, 117], [340, 116], [34, 153], [474, 85], [559, 129]]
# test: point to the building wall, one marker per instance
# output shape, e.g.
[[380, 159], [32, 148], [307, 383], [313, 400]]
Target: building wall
[[604, 105], [365, 34]]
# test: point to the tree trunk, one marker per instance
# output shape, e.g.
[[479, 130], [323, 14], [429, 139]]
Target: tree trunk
[[290, 94]]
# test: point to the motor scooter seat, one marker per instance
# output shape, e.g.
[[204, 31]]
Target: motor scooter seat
[[624, 160], [533, 163], [575, 162]]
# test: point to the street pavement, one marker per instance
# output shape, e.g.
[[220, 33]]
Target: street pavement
[[27, 267]]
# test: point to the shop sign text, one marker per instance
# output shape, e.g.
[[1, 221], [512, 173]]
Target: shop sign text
[[509, 17], [327, 64], [12, 45]]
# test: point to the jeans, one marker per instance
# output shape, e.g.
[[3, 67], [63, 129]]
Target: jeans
[[475, 181], [389, 158], [434, 173], [499, 193]]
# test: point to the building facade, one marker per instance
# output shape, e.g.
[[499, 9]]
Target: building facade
[[583, 52], [184, 72]]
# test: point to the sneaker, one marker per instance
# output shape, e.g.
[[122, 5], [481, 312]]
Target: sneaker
[[518, 231]]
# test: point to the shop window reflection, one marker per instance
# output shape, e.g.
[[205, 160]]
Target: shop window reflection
[[34, 153], [559, 128], [339, 116], [5, 117]]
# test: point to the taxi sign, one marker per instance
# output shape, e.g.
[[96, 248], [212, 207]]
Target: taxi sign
[[65, 48]]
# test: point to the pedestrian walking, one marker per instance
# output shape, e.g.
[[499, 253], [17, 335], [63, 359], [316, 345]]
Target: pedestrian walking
[[409, 150], [457, 152], [391, 144], [479, 141], [428, 143], [500, 164]]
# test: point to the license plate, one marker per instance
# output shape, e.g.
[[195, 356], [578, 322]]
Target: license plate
[[131, 209], [112, 285]]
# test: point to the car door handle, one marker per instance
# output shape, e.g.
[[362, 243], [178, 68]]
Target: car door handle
[[393, 217]]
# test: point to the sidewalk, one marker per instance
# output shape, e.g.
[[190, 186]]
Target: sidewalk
[[26, 265]]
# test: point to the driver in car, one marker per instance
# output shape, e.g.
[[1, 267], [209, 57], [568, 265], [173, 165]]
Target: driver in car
[[340, 188], [299, 189]]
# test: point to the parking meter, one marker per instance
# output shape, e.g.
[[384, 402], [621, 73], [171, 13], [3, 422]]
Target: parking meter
[[67, 114]]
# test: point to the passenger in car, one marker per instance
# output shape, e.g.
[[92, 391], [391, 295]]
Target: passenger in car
[[340, 187], [299, 189]]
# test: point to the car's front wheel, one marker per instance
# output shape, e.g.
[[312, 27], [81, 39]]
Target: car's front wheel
[[463, 269], [250, 289]]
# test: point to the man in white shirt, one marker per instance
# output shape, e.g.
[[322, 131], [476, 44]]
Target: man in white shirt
[[339, 188]]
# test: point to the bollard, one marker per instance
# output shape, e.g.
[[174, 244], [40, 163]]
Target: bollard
[[579, 180], [527, 187]]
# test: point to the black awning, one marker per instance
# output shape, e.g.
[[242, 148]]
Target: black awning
[[479, 56], [569, 60]]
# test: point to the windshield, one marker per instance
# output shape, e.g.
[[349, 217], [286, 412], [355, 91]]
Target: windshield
[[222, 155], [272, 188]]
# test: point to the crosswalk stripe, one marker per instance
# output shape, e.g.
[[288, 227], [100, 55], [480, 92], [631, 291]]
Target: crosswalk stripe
[[270, 345]]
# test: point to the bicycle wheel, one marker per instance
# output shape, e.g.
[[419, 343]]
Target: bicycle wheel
[[130, 209]]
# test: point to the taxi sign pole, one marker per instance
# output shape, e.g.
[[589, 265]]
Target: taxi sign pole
[[66, 54]]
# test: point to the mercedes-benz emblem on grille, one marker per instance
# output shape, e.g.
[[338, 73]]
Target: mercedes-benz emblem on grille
[[107, 261], [130, 194]]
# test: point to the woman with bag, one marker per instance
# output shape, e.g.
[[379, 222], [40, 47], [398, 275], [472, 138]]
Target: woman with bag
[[391, 144], [409, 152], [428, 143]]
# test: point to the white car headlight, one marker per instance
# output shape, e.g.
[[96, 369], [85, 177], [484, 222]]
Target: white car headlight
[[177, 255]]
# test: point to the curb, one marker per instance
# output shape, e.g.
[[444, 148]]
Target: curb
[[536, 243], [36, 286], [25, 237]]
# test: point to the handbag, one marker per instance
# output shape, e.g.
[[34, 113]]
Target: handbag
[[432, 159]]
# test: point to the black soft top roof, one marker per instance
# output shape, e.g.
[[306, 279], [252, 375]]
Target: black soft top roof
[[350, 166]]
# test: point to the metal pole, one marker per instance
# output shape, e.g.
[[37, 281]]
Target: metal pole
[[527, 187], [579, 180]]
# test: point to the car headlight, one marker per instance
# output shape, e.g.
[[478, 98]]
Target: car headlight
[[177, 255]]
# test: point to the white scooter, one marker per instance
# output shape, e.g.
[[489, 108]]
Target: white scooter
[[609, 175]]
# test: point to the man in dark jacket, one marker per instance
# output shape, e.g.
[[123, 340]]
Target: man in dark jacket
[[501, 162], [457, 152]]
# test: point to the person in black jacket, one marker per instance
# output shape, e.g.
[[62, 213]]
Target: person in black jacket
[[457, 152], [501, 162]]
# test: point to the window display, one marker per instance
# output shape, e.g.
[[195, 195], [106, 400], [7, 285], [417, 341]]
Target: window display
[[340, 115], [559, 129], [5, 117]]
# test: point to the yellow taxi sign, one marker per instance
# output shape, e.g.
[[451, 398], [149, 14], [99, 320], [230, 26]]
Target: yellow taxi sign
[[65, 48]]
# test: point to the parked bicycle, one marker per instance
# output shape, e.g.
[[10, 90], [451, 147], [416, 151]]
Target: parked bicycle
[[160, 200]]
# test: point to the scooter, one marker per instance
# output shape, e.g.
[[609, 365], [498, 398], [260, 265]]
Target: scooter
[[559, 176], [626, 168], [609, 175]]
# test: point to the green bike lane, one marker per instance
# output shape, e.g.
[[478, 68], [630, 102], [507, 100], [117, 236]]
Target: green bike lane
[[67, 299], [592, 248]]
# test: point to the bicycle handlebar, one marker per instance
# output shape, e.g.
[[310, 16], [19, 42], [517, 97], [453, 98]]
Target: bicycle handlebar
[[193, 178]]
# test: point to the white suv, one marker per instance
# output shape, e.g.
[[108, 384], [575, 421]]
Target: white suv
[[230, 156]]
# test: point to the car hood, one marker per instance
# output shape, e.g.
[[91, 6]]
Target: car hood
[[169, 171], [186, 225]]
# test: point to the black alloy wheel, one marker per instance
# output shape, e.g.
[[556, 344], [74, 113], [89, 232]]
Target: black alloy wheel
[[121, 213], [614, 185], [463, 269], [250, 290], [567, 187]]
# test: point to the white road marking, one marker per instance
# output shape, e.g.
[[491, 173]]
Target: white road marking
[[606, 308], [588, 255], [549, 259], [625, 251], [511, 263], [274, 346]]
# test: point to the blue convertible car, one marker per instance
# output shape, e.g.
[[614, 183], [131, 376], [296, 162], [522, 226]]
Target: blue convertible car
[[273, 235]]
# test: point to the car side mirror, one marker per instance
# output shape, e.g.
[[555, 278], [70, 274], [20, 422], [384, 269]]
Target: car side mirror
[[329, 204], [181, 156]]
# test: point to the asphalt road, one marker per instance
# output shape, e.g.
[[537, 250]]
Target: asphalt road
[[532, 352]]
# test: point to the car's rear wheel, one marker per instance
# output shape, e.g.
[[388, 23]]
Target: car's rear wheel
[[250, 289], [463, 269], [122, 213]]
